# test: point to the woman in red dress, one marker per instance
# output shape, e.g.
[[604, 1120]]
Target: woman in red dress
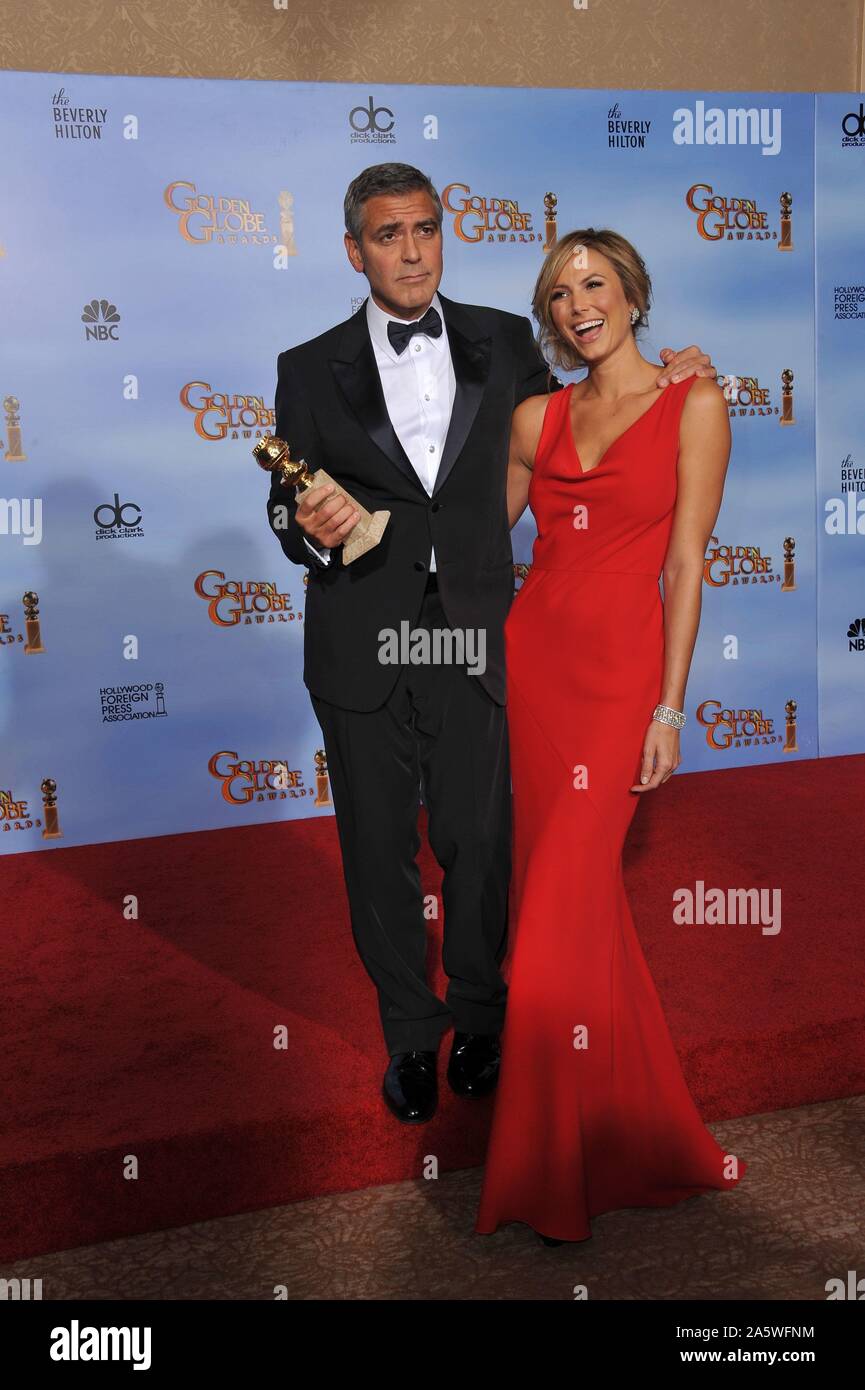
[[624, 480]]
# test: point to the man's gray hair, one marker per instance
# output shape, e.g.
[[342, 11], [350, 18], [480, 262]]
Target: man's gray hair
[[384, 178]]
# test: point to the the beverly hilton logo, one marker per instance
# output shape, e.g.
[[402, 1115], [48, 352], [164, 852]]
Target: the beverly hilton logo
[[746, 564], [478, 218], [244, 780], [220, 415], [214, 218], [231, 602], [745, 728], [724, 217], [625, 134], [76, 122]]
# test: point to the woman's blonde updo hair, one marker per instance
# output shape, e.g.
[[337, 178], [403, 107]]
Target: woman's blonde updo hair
[[629, 266]]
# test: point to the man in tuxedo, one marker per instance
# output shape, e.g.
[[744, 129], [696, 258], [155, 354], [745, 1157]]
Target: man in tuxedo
[[408, 405]]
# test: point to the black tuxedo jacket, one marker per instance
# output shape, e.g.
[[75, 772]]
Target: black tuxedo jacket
[[330, 410]]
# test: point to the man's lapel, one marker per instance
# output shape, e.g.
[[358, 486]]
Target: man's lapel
[[356, 373], [470, 353]]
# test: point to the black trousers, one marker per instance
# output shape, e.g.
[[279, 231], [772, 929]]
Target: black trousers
[[438, 728]]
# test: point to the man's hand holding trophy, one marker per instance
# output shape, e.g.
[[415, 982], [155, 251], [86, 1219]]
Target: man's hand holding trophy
[[325, 512]]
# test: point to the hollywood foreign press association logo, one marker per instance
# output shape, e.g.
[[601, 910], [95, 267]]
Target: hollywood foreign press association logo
[[141, 700], [100, 319]]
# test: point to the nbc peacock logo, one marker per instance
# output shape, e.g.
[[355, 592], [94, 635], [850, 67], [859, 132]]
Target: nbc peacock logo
[[100, 319]]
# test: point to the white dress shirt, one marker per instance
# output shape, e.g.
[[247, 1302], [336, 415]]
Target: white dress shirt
[[419, 386]]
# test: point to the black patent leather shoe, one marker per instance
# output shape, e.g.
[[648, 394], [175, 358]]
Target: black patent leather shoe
[[410, 1086], [548, 1240], [473, 1069]]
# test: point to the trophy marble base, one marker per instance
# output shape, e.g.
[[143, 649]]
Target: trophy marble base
[[367, 530], [366, 533]]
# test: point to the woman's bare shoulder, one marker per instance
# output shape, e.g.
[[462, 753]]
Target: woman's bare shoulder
[[706, 398], [527, 424], [529, 414]]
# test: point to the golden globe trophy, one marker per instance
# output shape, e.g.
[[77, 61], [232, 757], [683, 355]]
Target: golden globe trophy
[[322, 782], [32, 623], [787, 417], [551, 230], [789, 565], [51, 827], [14, 452], [786, 242], [273, 455], [790, 744]]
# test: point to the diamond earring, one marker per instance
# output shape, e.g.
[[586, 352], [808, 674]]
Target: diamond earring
[[635, 314]]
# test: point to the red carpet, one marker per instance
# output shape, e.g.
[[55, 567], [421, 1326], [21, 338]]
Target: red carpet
[[154, 1038]]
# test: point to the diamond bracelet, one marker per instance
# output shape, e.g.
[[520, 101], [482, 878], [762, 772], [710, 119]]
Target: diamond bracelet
[[665, 715]]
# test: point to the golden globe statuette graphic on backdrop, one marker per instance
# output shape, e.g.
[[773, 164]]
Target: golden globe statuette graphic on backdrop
[[14, 452], [790, 744], [550, 223], [322, 781], [273, 455], [32, 623], [286, 222], [789, 566], [787, 417], [786, 241], [51, 829]]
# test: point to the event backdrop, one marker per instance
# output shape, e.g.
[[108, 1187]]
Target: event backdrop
[[162, 240]]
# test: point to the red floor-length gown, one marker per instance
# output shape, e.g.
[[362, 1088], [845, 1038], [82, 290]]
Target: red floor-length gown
[[608, 1123]]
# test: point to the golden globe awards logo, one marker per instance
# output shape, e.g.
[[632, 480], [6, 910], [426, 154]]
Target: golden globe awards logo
[[7, 636], [722, 217], [244, 780], [477, 218], [15, 812], [737, 564], [204, 218], [746, 396], [234, 602], [219, 415], [735, 728]]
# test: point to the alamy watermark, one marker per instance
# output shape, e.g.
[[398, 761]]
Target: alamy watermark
[[22, 516], [437, 646]]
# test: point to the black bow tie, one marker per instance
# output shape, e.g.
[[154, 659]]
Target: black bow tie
[[400, 333]]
